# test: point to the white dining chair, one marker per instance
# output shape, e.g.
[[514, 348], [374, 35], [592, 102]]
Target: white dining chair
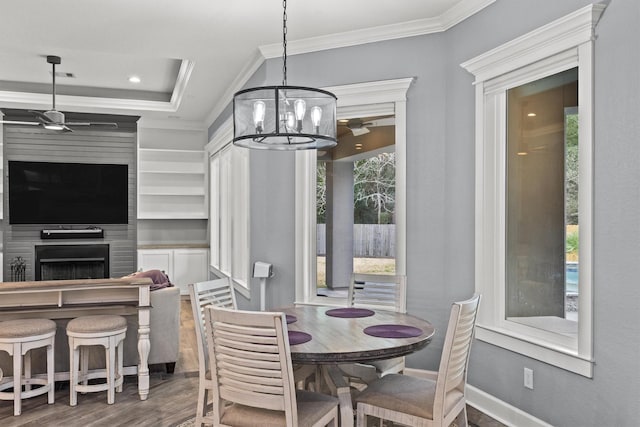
[[220, 293], [252, 373], [433, 399], [377, 292]]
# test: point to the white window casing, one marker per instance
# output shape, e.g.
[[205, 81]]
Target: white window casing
[[229, 208], [563, 44], [355, 100]]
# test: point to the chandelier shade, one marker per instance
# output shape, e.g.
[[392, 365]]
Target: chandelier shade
[[284, 118]]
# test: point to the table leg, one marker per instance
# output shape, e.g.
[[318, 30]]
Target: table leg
[[144, 344], [335, 379]]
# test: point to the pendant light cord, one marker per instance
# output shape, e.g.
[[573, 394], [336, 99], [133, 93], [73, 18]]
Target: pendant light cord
[[284, 43]]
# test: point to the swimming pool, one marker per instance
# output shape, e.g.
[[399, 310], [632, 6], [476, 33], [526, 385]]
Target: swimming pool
[[571, 277]]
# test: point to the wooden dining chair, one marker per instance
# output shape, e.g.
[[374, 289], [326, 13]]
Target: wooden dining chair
[[377, 292], [220, 293], [434, 399], [252, 373]]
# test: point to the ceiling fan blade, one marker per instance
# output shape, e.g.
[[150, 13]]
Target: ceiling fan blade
[[15, 122], [387, 121], [114, 125], [41, 116], [360, 131]]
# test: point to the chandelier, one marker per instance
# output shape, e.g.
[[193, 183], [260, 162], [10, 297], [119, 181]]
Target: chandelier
[[284, 117]]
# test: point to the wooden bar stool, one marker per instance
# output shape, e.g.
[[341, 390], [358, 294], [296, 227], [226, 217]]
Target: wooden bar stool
[[104, 330], [18, 337]]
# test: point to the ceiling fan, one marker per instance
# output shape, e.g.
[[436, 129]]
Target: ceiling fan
[[360, 127], [54, 119]]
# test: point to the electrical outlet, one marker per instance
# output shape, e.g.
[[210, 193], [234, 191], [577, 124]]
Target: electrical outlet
[[528, 378]]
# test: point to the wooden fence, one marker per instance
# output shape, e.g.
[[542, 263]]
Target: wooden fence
[[369, 240]]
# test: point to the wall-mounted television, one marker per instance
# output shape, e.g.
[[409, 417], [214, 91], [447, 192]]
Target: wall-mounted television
[[67, 193]]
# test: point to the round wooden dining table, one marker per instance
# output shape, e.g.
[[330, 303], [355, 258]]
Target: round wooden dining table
[[343, 339]]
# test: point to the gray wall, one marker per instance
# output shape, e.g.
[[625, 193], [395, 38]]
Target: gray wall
[[440, 176], [28, 143]]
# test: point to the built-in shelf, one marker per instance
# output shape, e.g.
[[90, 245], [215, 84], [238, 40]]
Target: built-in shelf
[[171, 184]]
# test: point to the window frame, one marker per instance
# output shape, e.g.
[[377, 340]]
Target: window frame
[[555, 47], [236, 250], [354, 100]]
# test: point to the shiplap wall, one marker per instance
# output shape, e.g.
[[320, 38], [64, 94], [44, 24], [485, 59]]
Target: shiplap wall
[[83, 145]]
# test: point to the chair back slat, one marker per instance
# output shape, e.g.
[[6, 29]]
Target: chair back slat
[[380, 291], [452, 375], [217, 292], [251, 360]]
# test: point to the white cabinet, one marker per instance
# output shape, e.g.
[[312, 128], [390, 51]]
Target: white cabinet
[[190, 266], [182, 265], [156, 259], [171, 184]]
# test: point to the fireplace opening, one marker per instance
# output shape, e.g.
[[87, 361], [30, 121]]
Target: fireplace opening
[[62, 262]]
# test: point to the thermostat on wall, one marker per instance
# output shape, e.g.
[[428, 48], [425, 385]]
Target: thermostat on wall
[[262, 269]]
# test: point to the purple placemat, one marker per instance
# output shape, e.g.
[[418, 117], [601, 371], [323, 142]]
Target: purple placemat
[[297, 337], [291, 318], [349, 312], [393, 331]]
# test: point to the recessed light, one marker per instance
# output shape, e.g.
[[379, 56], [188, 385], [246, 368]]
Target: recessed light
[[531, 115], [134, 79], [522, 153]]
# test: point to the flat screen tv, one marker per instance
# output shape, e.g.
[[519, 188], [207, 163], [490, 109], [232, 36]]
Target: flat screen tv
[[67, 193]]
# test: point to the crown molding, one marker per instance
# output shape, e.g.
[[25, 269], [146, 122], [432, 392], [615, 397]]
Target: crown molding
[[418, 27], [184, 73], [461, 11], [238, 83], [562, 34], [353, 38]]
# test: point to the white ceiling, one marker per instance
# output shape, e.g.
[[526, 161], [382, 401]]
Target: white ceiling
[[190, 54]]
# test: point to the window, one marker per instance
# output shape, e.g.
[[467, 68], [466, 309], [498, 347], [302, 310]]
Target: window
[[541, 201], [228, 209], [355, 202], [534, 183], [375, 100]]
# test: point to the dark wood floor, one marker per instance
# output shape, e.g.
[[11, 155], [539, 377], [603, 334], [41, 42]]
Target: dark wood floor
[[172, 398]]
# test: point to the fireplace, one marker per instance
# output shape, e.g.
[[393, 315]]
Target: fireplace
[[60, 262]]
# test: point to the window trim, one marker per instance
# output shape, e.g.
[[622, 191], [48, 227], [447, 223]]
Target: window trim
[[220, 141], [354, 100], [547, 50]]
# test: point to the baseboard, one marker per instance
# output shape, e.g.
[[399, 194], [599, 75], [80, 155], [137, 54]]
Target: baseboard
[[495, 408], [500, 410]]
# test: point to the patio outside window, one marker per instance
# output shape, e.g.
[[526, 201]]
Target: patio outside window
[[355, 203]]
